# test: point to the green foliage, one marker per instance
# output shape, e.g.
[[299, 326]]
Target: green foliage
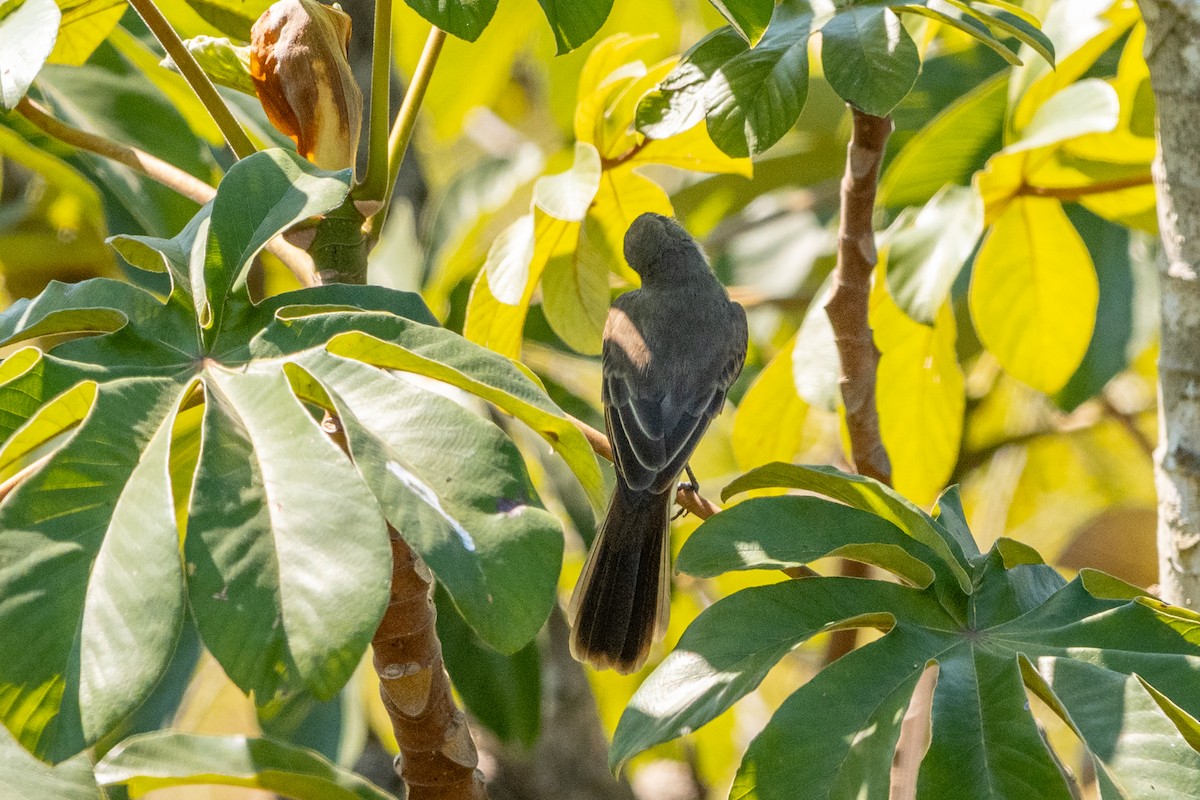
[[282, 597], [1095, 647], [28, 29], [751, 96]]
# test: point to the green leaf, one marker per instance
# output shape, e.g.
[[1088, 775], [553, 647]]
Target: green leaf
[[1133, 732], [756, 96], [926, 250], [277, 586], [28, 29], [287, 186], [451, 483], [568, 195], [820, 749], [748, 17], [503, 692], [836, 735], [466, 19], [863, 493], [678, 102], [869, 58], [950, 148], [283, 597], [448, 358], [791, 531], [816, 365], [1012, 21], [226, 63], [950, 14], [90, 578], [727, 651], [574, 21], [166, 758], [985, 743]]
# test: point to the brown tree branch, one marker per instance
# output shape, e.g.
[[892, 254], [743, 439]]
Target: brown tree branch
[[296, 260], [437, 755], [1070, 194], [847, 306]]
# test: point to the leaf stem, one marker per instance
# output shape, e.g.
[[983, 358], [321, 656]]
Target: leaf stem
[[1069, 194], [375, 182], [402, 130], [238, 141]]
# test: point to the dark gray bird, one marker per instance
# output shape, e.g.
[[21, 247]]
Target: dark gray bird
[[671, 351]]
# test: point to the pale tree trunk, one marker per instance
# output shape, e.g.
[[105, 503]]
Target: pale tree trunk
[[1173, 54]]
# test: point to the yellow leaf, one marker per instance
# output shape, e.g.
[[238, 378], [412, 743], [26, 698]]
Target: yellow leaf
[[1034, 293], [694, 150], [1132, 142], [998, 183], [85, 24], [1068, 70], [769, 424], [492, 322], [610, 59], [575, 288], [920, 395]]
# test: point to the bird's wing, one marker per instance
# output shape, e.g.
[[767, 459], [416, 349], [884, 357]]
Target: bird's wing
[[654, 430]]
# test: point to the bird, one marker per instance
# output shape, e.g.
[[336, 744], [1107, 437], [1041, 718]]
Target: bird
[[671, 350]]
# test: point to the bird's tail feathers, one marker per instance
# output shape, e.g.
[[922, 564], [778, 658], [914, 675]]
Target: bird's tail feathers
[[623, 598]]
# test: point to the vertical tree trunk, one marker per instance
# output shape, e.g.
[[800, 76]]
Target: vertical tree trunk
[[1173, 29]]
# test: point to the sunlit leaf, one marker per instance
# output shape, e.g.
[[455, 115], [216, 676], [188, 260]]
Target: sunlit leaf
[[85, 24], [28, 30], [1034, 293], [926, 250], [755, 97], [769, 425], [920, 395]]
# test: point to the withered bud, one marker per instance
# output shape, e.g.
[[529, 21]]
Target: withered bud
[[298, 51]]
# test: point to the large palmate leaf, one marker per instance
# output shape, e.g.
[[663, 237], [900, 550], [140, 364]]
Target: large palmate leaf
[[285, 561], [751, 90], [1118, 666]]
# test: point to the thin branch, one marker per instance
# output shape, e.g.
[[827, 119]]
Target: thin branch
[[154, 168], [1129, 423], [296, 260], [1069, 194], [196, 77], [847, 306], [374, 183], [693, 501], [406, 120]]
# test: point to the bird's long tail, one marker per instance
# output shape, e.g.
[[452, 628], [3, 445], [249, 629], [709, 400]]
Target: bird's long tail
[[623, 597]]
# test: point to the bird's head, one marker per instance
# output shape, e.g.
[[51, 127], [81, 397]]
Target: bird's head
[[654, 244]]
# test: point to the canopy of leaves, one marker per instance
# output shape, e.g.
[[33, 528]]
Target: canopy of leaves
[[1118, 666], [285, 559]]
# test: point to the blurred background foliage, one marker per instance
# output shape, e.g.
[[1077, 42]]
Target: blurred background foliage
[[994, 170]]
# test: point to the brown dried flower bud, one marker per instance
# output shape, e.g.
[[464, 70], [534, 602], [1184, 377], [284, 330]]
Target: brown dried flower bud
[[298, 52]]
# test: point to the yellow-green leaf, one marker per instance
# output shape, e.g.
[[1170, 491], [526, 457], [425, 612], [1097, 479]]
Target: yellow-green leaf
[[1034, 293], [575, 288], [85, 24], [920, 396], [769, 424]]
